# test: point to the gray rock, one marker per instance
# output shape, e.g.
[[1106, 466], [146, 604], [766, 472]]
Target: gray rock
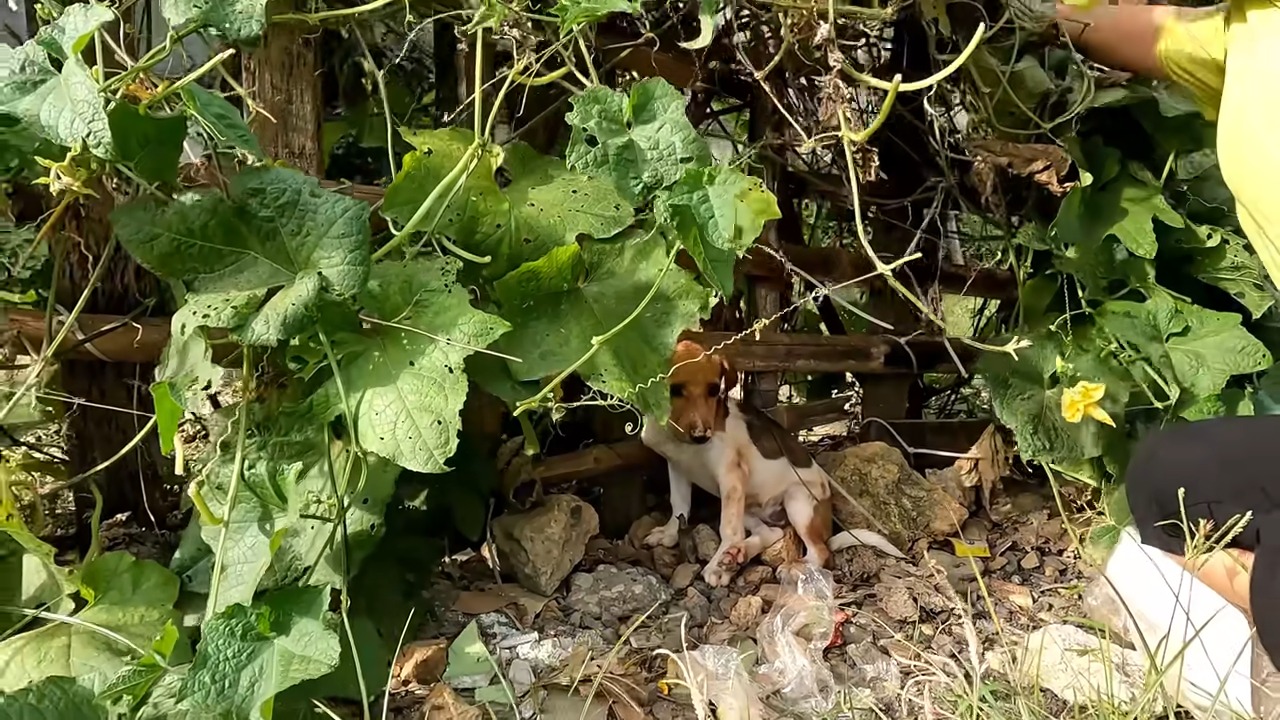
[[697, 607], [891, 497], [614, 592], [705, 542], [960, 571], [541, 547], [684, 576], [520, 675]]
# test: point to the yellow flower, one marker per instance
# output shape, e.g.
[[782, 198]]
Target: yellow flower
[[1083, 400]]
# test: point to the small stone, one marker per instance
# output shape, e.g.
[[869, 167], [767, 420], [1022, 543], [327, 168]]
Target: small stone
[[683, 576], [520, 675], [613, 592], [769, 593], [665, 561], [697, 607], [746, 611], [975, 530], [706, 542], [788, 549], [997, 563], [897, 602], [1030, 561], [755, 576], [960, 571], [422, 662], [1054, 565], [541, 547], [640, 529]]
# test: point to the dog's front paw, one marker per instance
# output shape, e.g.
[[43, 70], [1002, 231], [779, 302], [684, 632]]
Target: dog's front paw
[[725, 564], [667, 536]]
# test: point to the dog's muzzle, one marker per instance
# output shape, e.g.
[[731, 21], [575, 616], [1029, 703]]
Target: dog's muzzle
[[699, 438]]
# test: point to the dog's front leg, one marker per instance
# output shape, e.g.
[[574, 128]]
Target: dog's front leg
[[681, 503], [732, 553]]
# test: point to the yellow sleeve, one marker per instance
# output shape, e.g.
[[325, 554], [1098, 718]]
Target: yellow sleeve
[[1193, 51]]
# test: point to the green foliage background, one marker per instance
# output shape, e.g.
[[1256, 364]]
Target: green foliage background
[[353, 356]]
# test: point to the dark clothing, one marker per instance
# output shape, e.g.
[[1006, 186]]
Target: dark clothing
[[1227, 467]]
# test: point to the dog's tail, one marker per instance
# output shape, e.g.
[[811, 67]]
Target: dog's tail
[[850, 538]]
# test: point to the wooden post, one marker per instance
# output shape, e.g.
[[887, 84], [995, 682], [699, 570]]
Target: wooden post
[[283, 78], [764, 295]]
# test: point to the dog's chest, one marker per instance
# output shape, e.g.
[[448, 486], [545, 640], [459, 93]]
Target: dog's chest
[[768, 473]]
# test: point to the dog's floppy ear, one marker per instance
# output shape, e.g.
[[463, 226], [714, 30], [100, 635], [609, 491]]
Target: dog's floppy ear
[[728, 376]]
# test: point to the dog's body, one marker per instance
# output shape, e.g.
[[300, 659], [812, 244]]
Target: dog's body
[[763, 476]]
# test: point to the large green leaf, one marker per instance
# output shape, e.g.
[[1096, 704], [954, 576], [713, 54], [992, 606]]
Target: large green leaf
[[126, 597], [558, 304], [249, 654], [55, 698], [151, 145], [1230, 266], [1125, 208], [575, 13], [642, 141], [1197, 349], [407, 382], [545, 205], [276, 230], [282, 528], [31, 578], [718, 212], [235, 20], [63, 107], [70, 34], [1027, 397], [220, 120]]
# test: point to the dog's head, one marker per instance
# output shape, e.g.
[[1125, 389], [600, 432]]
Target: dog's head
[[700, 385]]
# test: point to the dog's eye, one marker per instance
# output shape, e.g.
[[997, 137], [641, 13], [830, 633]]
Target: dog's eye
[[713, 389], [676, 390]]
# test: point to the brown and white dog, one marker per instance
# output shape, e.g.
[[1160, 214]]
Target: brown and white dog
[[762, 474]]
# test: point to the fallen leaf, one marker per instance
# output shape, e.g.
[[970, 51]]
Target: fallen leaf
[[470, 665], [1017, 595], [495, 598], [1047, 164], [422, 662], [444, 704], [988, 461]]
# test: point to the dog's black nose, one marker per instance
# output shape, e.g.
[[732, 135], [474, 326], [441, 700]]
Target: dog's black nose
[[700, 439]]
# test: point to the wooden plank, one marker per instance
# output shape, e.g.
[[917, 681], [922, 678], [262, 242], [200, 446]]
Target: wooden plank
[[597, 461], [143, 339], [857, 353], [283, 78]]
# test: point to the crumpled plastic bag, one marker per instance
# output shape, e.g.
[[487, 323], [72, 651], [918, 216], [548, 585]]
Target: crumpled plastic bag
[[715, 674], [792, 639]]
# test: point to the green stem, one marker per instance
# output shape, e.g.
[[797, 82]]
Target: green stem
[[444, 189], [128, 447], [933, 79], [43, 362], [342, 589], [237, 473], [316, 18], [191, 77], [598, 341], [95, 525], [342, 390], [154, 57], [381, 82]]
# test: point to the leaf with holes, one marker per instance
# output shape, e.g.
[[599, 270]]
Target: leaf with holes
[[642, 141], [235, 20], [407, 384], [1230, 266], [278, 533], [717, 213], [558, 304], [276, 231], [250, 653], [546, 205], [128, 604]]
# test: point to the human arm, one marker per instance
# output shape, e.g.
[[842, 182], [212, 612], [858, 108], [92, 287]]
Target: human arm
[[1124, 37]]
